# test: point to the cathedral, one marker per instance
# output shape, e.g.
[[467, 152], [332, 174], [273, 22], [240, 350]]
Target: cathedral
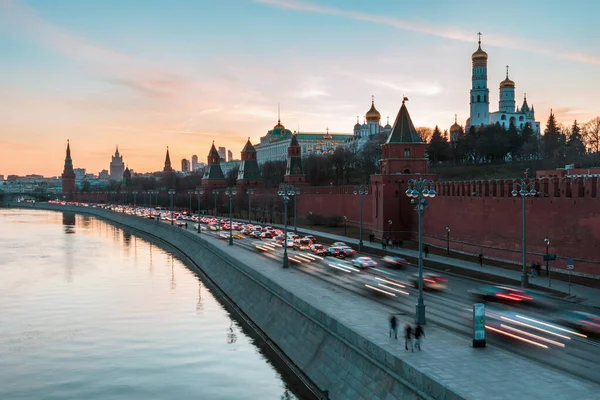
[[507, 112], [372, 124]]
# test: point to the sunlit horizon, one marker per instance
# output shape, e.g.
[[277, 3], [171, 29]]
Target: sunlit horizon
[[144, 76]]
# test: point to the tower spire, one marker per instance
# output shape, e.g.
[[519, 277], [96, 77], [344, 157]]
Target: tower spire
[[507, 72], [278, 113], [479, 34], [455, 118]]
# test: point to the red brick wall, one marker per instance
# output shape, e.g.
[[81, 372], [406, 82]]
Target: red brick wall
[[492, 226]]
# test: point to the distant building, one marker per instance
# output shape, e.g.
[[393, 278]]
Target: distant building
[[194, 162], [79, 174], [104, 175], [1, 178], [229, 165], [229, 155], [185, 165], [568, 171], [117, 167], [222, 154]]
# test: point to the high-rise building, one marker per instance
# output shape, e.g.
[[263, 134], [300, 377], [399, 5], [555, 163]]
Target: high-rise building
[[229, 155], [222, 154], [79, 174], [117, 167], [194, 162], [185, 165]]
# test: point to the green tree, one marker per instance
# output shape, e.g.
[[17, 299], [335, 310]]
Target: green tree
[[551, 138], [438, 149], [232, 175], [575, 146], [273, 172], [515, 142]]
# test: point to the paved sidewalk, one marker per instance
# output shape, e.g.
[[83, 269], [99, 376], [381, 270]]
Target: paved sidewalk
[[580, 294], [489, 373]]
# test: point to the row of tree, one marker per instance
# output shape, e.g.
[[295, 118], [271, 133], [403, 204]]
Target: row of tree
[[494, 144]]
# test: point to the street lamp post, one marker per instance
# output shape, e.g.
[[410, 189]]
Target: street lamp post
[[448, 240], [285, 192], [547, 242], [215, 193], [311, 220], [144, 192], [296, 193], [190, 193], [230, 191], [171, 193], [526, 188], [361, 191], [250, 192], [419, 190], [390, 224], [345, 223], [199, 193], [135, 192]]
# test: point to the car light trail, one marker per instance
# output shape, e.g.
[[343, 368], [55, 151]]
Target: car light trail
[[383, 272], [317, 257], [536, 327], [516, 337], [393, 289], [552, 326], [311, 258], [297, 260], [304, 258], [543, 339], [348, 266], [390, 282], [380, 290], [341, 269]]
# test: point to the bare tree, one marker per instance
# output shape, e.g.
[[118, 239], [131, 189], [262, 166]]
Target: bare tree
[[591, 136], [425, 133]]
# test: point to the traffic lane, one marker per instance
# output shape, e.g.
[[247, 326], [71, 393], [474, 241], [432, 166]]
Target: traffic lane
[[577, 357]]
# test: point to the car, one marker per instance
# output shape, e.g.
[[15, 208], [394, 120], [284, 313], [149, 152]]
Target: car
[[338, 244], [431, 281], [584, 322], [279, 239], [394, 261], [266, 235], [289, 243], [213, 227], [364, 262], [255, 234], [514, 296], [311, 238], [348, 251], [318, 249], [238, 236], [304, 244], [335, 252]]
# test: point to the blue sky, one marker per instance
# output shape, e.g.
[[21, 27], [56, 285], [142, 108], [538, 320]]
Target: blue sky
[[150, 74]]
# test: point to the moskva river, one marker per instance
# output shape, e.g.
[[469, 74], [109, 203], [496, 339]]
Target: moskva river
[[89, 311]]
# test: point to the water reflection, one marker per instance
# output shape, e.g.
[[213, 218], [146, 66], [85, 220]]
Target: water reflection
[[173, 283], [68, 220], [199, 305], [231, 335]]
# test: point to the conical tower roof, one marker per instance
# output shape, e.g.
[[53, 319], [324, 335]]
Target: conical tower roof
[[404, 131], [294, 141], [248, 148]]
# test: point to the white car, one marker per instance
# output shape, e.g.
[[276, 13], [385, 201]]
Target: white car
[[364, 262], [289, 243]]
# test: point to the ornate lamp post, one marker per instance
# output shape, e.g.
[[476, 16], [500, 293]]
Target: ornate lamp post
[[419, 190], [249, 192], [311, 220], [361, 191], [345, 224], [547, 242], [285, 192], [171, 193], [296, 193], [135, 192], [448, 240], [144, 193], [526, 188], [199, 192], [230, 191], [390, 222], [215, 193]]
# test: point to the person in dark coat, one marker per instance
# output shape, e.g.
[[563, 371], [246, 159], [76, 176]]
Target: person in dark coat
[[408, 337], [393, 326], [419, 334]]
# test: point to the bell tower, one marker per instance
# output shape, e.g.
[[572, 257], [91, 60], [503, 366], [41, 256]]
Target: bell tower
[[480, 93]]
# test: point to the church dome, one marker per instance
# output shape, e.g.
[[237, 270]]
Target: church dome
[[455, 128], [480, 57], [373, 114], [507, 83], [357, 126]]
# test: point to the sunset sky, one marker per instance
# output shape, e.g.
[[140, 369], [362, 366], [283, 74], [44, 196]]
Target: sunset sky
[[147, 74]]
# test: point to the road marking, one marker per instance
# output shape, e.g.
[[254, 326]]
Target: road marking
[[341, 269], [349, 266]]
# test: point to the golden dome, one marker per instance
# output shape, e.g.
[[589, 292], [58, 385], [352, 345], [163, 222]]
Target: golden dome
[[455, 127], [480, 57], [373, 114], [507, 83]]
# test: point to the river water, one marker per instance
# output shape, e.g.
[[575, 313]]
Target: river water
[[88, 311]]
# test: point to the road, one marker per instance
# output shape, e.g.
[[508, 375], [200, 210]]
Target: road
[[528, 332]]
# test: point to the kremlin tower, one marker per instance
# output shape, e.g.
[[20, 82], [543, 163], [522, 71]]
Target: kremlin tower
[[293, 172], [167, 168], [68, 176], [249, 173], [213, 177]]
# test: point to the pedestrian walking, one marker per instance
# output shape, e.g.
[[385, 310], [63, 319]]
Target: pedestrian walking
[[393, 326], [408, 337], [480, 258], [419, 335], [426, 251], [382, 243]]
